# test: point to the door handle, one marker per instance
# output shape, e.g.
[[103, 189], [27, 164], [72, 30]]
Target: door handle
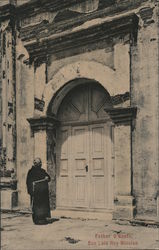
[[86, 167]]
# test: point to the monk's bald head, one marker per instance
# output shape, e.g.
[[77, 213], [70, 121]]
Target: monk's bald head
[[37, 162]]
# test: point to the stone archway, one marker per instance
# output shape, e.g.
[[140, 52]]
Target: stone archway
[[107, 77], [61, 94], [45, 125]]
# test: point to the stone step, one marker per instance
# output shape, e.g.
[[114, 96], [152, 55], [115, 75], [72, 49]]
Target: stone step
[[107, 216]]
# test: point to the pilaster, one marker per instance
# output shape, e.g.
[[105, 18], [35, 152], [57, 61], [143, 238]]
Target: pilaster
[[40, 146], [40, 128], [123, 199], [8, 95]]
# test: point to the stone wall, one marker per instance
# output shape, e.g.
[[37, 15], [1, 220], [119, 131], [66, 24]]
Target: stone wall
[[24, 110], [135, 68], [8, 112], [130, 63], [105, 54], [0, 103], [144, 95], [51, 166]]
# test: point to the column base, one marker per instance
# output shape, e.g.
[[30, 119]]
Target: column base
[[9, 199], [124, 208]]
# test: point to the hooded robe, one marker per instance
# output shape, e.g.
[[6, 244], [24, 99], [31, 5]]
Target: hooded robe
[[37, 187]]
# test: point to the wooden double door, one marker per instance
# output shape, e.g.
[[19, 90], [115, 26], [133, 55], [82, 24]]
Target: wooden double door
[[84, 167]]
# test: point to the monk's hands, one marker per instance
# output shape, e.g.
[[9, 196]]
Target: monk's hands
[[46, 178]]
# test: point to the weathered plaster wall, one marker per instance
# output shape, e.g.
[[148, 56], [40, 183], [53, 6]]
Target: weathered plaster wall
[[25, 109], [108, 54], [122, 160], [144, 93], [51, 166], [40, 80], [104, 56], [103, 65], [39, 83], [1, 102], [8, 150], [142, 71], [30, 82]]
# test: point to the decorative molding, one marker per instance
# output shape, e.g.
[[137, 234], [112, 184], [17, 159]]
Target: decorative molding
[[42, 123], [7, 12], [8, 183], [38, 30], [66, 14], [146, 14], [110, 7], [122, 116], [120, 98], [35, 7], [73, 38], [39, 104]]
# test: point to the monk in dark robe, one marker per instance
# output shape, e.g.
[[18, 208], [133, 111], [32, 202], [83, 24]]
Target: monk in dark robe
[[37, 186]]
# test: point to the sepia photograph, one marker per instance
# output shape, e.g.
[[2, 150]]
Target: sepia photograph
[[79, 124]]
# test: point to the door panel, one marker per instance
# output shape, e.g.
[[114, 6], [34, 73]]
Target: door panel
[[98, 192], [99, 166], [80, 148], [85, 171], [63, 167], [63, 191]]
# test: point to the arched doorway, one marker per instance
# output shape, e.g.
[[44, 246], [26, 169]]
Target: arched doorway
[[84, 177]]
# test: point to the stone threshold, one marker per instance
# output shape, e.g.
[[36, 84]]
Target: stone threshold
[[146, 223], [79, 214], [16, 210], [138, 222], [65, 214]]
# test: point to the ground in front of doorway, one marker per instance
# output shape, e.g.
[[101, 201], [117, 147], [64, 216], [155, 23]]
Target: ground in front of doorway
[[19, 233]]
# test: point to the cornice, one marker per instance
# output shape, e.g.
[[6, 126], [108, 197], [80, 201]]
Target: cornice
[[38, 6], [122, 116], [42, 123], [39, 104], [34, 7], [7, 12], [74, 38], [29, 32]]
